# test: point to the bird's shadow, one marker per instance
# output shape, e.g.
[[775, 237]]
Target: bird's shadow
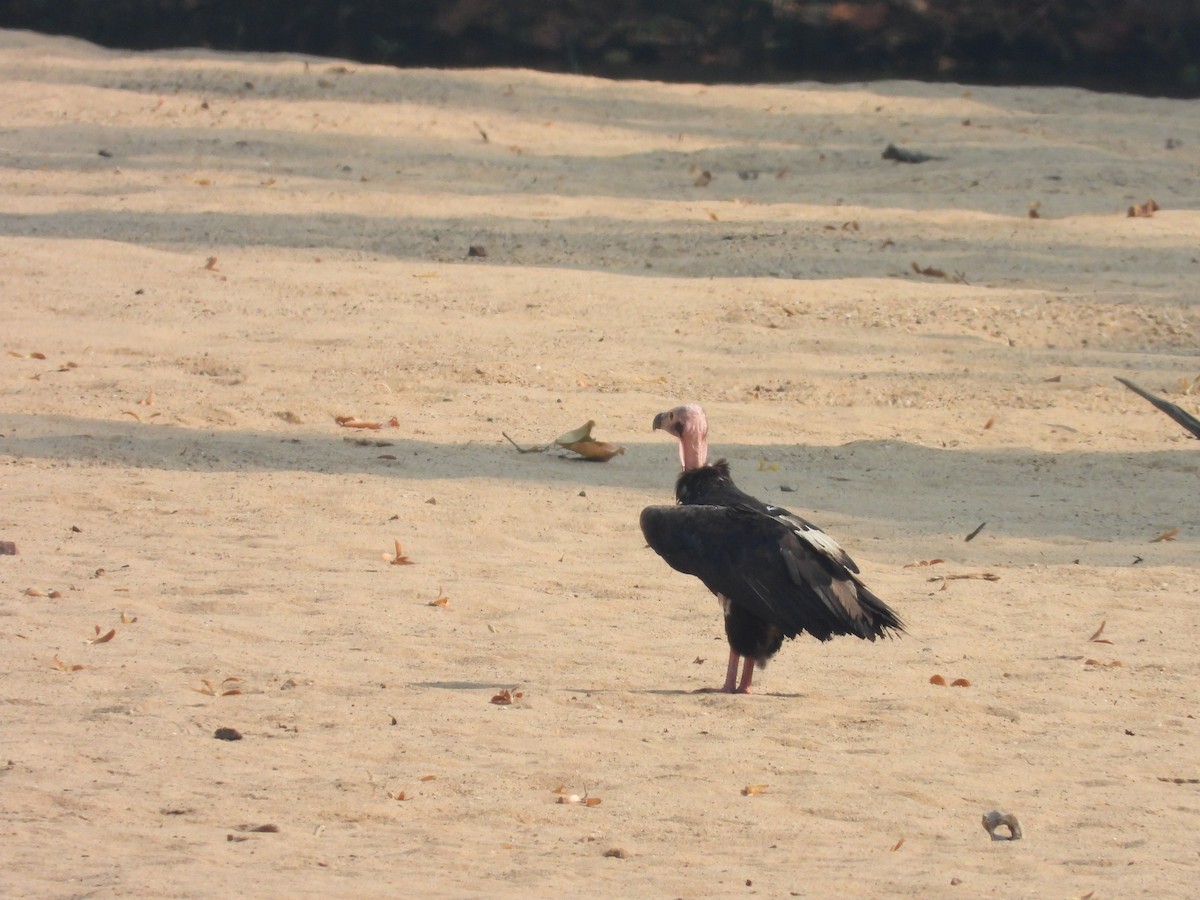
[[659, 692]]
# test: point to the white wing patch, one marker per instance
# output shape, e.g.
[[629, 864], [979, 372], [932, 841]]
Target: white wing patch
[[814, 537]]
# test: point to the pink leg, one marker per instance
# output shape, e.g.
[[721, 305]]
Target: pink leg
[[731, 677], [747, 674]]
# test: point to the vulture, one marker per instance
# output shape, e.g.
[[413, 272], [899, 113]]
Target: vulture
[[775, 574]]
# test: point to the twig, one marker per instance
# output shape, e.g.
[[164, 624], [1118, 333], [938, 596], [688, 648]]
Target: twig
[[521, 449]]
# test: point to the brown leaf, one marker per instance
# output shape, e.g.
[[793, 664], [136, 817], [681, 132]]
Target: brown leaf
[[923, 562], [591, 801], [900, 843], [33, 592], [960, 682], [1168, 535], [938, 680], [211, 264], [596, 451], [1099, 631], [989, 423], [1143, 210], [127, 619], [975, 533], [442, 600], [400, 559], [429, 778], [754, 790], [929, 271], [103, 638], [63, 667], [352, 422], [504, 698]]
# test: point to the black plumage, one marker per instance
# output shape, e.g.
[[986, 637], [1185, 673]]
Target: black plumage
[[776, 574]]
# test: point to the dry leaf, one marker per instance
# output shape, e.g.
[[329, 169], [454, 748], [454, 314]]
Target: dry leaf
[[938, 680], [960, 682], [1099, 631], [63, 667], [597, 451], [127, 619], [1168, 535], [33, 592], [591, 801], [989, 423], [211, 264], [429, 778], [703, 179], [103, 638], [929, 270], [352, 422], [924, 562], [399, 559], [1143, 210], [764, 466], [581, 441], [974, 534], [504, 698], [754, 790], [900, 843], [442, 599]]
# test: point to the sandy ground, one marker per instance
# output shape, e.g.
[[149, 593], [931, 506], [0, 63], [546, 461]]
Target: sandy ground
[[217, 255]]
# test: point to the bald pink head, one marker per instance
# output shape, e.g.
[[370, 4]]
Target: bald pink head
[[690, 426]]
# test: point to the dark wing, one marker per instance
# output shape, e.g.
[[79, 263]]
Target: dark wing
[[810, 534], [762, 564]]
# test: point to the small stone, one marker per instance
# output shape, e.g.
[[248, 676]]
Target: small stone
[[617, 853], [227, 734]]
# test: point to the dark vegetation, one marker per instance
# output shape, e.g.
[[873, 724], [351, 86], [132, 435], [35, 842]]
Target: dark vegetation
[[1139, 46]]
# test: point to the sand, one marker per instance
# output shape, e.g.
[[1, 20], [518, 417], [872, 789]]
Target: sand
[[207, 258]]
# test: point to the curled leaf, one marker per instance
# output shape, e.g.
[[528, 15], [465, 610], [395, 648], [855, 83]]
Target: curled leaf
[[581, 441], [754, 790], [399, 559], [921, 563], [103, 638]]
